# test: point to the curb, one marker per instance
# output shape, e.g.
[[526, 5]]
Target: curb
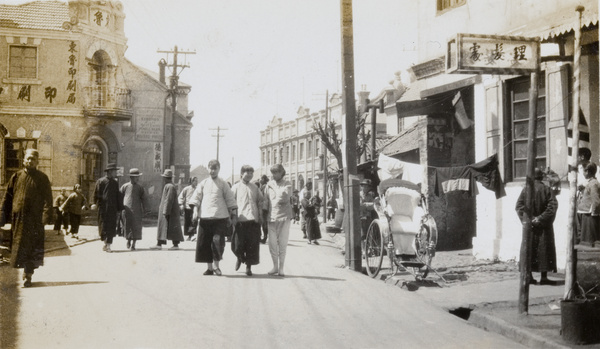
[[519, 335]]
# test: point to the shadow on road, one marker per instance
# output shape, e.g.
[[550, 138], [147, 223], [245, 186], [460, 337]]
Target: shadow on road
[[64, 283], [9, 306], [287, 276]]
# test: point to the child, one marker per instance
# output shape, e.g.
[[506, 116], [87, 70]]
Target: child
[[73, 207], [589, 207]]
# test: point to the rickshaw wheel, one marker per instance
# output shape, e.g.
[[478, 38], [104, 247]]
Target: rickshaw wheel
[[424, 251], [374, 249]]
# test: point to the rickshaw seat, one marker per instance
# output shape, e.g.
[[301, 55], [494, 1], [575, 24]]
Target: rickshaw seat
[[402, 208]]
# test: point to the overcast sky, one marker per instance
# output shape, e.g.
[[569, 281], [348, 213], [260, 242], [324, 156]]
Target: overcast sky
[[259, 58]]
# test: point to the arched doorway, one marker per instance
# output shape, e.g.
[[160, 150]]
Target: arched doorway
[[94, 157]]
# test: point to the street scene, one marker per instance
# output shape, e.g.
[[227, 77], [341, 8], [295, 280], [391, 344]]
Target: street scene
[[267, 174]]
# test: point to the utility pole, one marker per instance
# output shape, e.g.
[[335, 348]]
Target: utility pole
[[173, 92], [373, 108], [325, 160], [351, 199], [218, 135]]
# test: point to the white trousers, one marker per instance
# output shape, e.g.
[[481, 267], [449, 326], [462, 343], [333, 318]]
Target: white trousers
[[279, 234]]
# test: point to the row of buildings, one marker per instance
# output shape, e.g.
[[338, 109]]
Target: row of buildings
[[447, 120], [67, 89]]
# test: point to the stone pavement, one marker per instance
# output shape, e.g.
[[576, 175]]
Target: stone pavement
[[482, 292], [485, 293]]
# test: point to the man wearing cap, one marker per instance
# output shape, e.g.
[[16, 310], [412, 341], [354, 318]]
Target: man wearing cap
[[169, 226], [366, 206], [107, 199], [27, 204], [135, 204]]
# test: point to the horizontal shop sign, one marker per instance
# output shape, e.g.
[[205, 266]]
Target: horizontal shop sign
[[492, 54]]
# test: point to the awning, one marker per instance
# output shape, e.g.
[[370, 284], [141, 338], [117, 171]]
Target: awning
[[405, 141], [559, 22]]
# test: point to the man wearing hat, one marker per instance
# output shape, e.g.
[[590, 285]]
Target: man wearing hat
[[366, 206], [169, 226], [109, 203], [135, 204], [27, 204]]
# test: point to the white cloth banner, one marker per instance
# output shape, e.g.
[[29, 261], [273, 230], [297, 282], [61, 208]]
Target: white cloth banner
[[392, 168]]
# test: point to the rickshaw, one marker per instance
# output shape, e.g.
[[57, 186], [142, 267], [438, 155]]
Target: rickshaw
[[403, 230]]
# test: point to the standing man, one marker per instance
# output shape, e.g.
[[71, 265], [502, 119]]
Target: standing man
[[27, 204], [169, 225], [543, 253], [107, 199], [277, 195], [135, 204], [246, 238], [189, 225], [59, 218], [295, 200], [73, 207], [307, 187], [215, 206]]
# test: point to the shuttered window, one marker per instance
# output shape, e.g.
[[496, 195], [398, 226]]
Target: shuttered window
[[23, 62]]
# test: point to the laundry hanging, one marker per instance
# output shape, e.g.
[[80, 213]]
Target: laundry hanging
[[463, 178]]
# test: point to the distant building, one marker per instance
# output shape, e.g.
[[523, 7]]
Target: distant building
[[67, 90], [296, 146]]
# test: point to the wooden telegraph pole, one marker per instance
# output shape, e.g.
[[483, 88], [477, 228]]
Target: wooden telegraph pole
[[325, 162], [351, 197], [218, 135], [173, 91], [570, 275]]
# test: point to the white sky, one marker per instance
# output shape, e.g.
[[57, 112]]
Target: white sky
[[259, 58]]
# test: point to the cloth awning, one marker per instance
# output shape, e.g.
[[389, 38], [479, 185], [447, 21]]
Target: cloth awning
[[405, 141], [558, 23]]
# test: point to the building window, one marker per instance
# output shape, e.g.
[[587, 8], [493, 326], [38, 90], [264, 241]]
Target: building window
[[518, 90], [23, 62], [263, 159], [14, 153], [287, 154], [309, 150], [443, 5], [301, 153], [274, 156], [317, 152], [268, 157], [293, 152]]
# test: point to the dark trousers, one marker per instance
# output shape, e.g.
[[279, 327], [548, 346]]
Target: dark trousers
[[246, 242], [60, 219], [331, 213], [211, 240], [189, 228], [75, 220]]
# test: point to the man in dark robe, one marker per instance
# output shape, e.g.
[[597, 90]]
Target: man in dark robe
[[28, 205], [169, 225], [543, 253], [109, 203]]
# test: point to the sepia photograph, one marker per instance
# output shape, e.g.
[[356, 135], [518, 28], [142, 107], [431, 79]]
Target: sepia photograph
[[299, 174]]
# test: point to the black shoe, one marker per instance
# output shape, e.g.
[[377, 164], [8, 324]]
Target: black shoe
[[209, 272], [248, 271], [546, 282], [128, 243], [238, 263], [316, 242], [533, 281], [263, 241]]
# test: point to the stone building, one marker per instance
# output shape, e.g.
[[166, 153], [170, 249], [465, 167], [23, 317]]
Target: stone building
[[296, 146], [492, 117], [67, 90]]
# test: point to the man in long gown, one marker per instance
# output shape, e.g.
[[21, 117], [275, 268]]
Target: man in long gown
[[108, 200], [28, 205], [169, 225], [135, 204]]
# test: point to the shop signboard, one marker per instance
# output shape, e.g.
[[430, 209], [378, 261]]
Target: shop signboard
[[492, 54]]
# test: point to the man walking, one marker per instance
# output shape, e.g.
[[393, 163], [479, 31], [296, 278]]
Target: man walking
[[246, 238], [189, 225], [135, 204], [107, 199], [27, 204], [215, 206], [59, 217], [169, 226]]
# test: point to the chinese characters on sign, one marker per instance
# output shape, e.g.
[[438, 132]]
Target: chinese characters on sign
[[72, 85], [25, 93], [50, 93], [492, 54], [158, 157], [100, 18], [149, 126]]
